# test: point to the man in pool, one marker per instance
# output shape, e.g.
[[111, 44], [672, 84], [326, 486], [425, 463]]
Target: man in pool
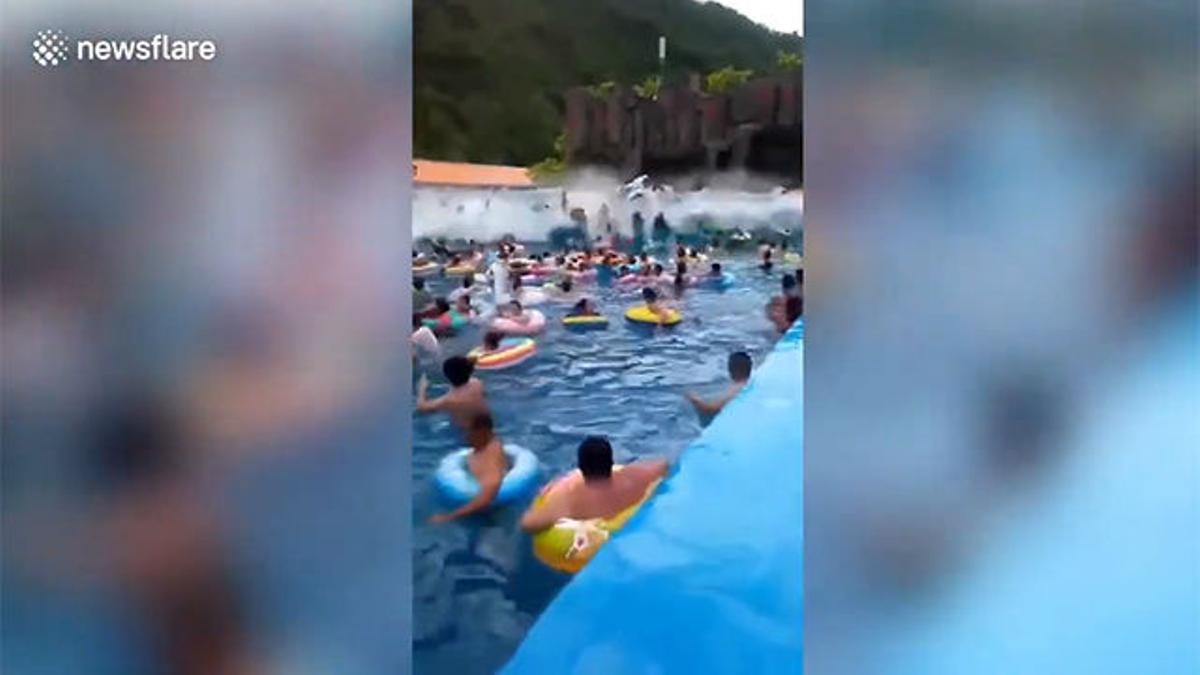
[[466, 398], [491, 341], [715, 271], [603, 493], [739, 372], [487, 463], [583, 308]]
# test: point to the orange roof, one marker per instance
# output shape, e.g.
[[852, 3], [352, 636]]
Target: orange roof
[[426, 172]]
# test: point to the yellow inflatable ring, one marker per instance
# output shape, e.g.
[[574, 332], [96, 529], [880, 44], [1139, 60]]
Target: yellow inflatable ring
[[642, 314], [427, 268], [511, 352], [586, 320], [460, 270], [570, 544]]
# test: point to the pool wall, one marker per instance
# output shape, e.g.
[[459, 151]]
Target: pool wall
[[708, 577]]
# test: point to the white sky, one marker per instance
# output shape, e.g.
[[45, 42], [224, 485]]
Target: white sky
[[785, 16]]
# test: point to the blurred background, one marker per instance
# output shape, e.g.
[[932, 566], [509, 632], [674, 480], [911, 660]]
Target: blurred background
[[1002, 387], [205, 392]]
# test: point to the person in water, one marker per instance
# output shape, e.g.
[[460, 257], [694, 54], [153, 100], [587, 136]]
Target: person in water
[[739, 374], [487, 463], [583, 308], [424, 342], [491, 341], [715, 272], [463, 306], [603, 493], [466, 398], [654, 304], [783, 310], [422, 300]]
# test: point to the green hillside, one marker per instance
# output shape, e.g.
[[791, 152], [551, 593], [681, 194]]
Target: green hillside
[[490, 74]]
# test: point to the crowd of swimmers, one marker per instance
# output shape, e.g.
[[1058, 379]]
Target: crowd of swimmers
[[602, 493]]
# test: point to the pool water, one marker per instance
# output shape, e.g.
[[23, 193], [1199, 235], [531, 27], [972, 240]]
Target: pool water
[[477, 589]]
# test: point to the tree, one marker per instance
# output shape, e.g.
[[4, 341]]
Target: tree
[[649, 88], [788, 61], [552, 169], [726, 79]]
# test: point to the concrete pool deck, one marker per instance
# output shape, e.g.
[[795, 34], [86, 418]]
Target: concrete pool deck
[[708, 577]]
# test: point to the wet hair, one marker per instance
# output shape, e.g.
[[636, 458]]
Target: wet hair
[[580, 305], [595, 458], [491, 339], [442, 305], [658, 268], [560, 260], [789, 282], [565, 285], [419, 284], [716, 268], [515, 304], [739, 366], [649, 295], [468, 280], [458, 369]]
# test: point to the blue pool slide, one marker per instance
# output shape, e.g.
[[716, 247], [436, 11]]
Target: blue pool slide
[[708, 576]]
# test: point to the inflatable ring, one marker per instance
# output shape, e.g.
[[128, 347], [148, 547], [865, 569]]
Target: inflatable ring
[[642, 314], [792, 257], [460, 270], [446, 324], [586, 321], [457, 486], [532, 280], [511, 352], [425, 269], [568, 545], [722, 282], [537, 321]]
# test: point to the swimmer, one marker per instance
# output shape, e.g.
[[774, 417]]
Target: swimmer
[[487, 463], [516, 313], [463, 306], [714, 272], [739, 373], [491, 342], [466, 398], [583, 308], [603, 493], [424, 342], [440, 307], [422, 300], [655, 305]]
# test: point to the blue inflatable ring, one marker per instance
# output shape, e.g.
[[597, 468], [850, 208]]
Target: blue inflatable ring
[[722, 282], [456, 484]]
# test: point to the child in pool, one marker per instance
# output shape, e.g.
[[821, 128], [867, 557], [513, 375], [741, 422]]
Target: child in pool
[[715, 272], [491, 341], [739, 373], [463, 306], [656, 305], [513, 311], [466, 398], [487, 463], [603, 493]]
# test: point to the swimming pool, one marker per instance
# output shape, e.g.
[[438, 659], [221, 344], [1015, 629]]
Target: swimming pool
[[477, 588]]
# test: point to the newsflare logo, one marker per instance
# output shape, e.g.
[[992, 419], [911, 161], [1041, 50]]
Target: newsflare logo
[[53, 48]]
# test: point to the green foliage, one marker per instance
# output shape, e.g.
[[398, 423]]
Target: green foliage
[[490, 76], [726, 79], [603, 89], [554, 168], [788, 61], [649, 87]]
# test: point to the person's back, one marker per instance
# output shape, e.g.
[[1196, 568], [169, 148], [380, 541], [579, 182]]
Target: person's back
[[487, 463], [603, 492], [466, 399]]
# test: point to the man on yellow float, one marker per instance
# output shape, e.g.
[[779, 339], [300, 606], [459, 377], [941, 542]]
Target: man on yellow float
[[603, 493]]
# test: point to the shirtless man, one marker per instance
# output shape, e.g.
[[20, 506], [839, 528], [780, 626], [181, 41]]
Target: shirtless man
[[739, 373], [487, 463], [656, 305], [603, 493], [466, 399]]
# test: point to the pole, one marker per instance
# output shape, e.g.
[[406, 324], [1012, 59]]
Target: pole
[[662, 58]]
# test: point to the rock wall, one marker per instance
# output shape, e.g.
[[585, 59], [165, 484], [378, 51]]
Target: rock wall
[[757, 127]]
